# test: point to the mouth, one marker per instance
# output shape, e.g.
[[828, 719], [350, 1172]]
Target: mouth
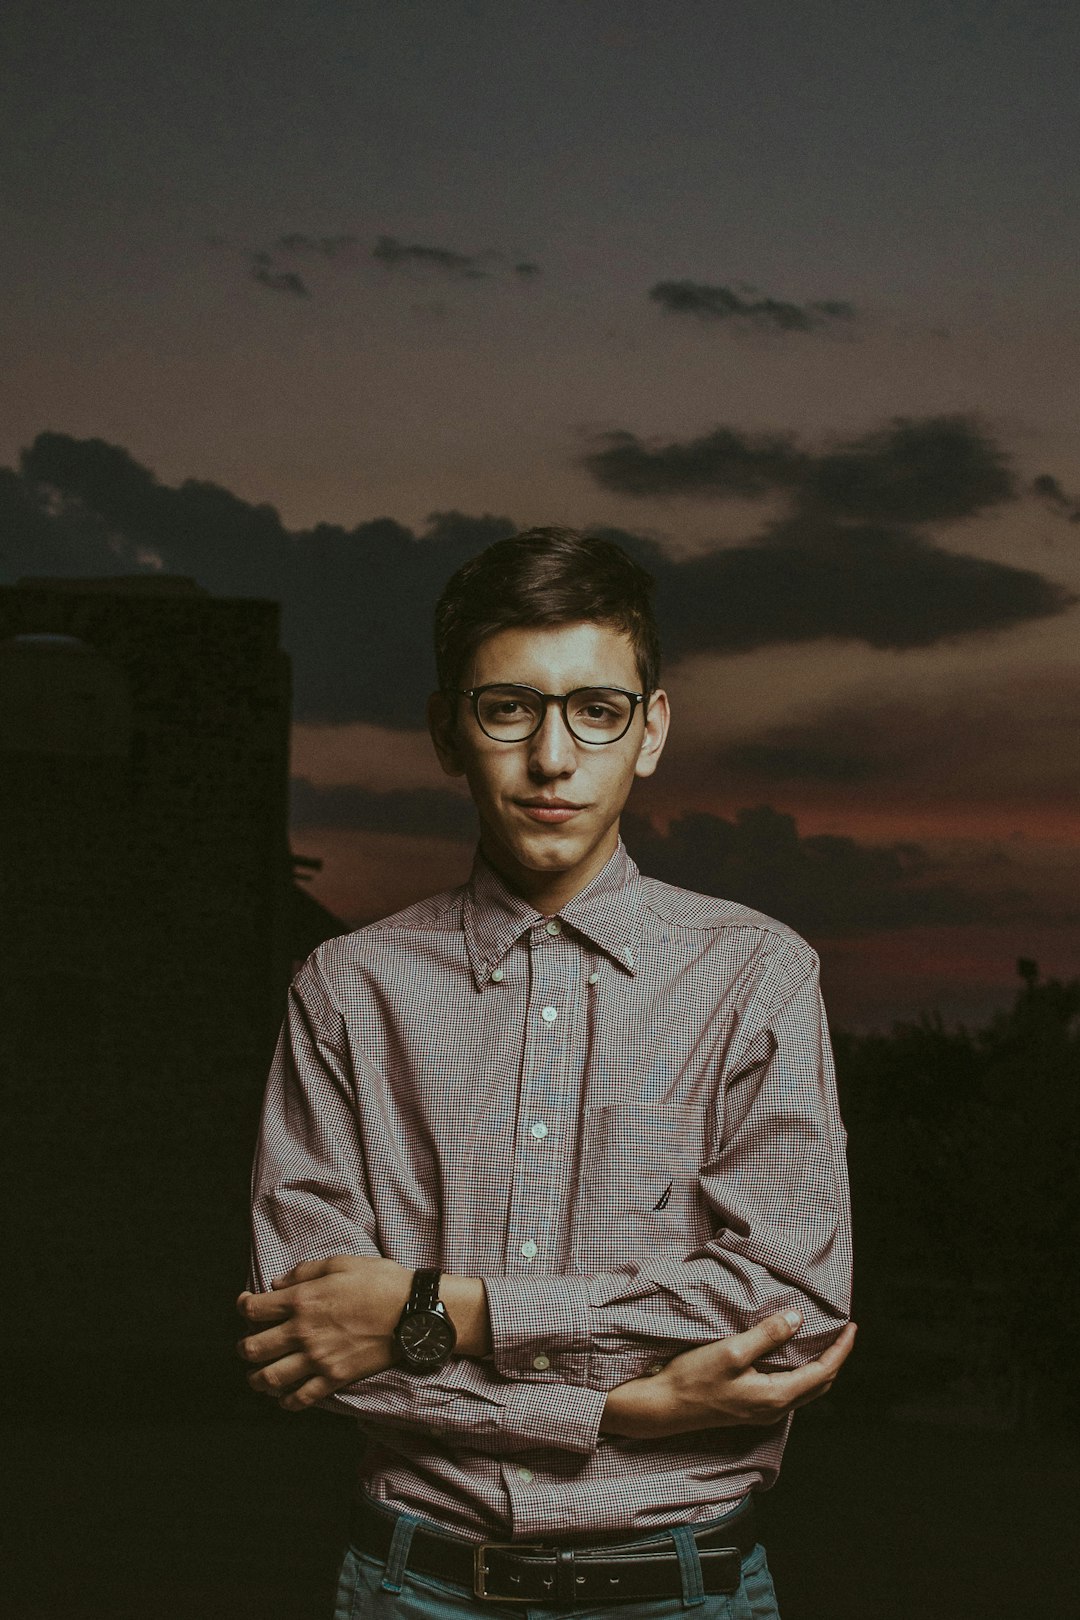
[[551, 811]]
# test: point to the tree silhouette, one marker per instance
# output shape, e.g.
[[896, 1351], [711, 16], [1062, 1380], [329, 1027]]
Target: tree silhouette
[[962, 1147]]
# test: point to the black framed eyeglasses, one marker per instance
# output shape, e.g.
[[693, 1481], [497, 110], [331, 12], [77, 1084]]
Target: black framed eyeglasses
[[591, 714]]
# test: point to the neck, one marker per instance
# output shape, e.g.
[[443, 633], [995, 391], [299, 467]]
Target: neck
[[549, 891]]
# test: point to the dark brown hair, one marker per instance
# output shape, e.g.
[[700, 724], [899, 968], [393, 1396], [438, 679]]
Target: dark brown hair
[[545, 577]]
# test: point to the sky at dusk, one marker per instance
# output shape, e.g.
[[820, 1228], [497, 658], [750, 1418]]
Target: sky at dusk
[[315, 300]]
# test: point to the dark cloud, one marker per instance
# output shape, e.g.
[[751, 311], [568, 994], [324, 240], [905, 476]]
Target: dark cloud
[[805, 581], [825, 886], [844, 561], [283, 281], [427, 812], [1047, 489], [463, 266], [1006, 740], [724, 462], [358, 602], [929, 470], [328, 246], [389, 251], [725, 304], [921, 470]]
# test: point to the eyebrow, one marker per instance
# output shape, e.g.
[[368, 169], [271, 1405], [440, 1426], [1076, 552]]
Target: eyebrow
[[575, 687]]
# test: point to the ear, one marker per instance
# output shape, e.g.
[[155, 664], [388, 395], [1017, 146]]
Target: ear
[[657, 722], [442, 724]]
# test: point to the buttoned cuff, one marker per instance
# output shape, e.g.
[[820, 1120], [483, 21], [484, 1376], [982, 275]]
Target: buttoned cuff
[[563, 1415], [467, 1406], [542, 1326], [543, 1316]]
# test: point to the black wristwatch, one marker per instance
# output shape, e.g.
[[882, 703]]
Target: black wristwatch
[[425, 1335]]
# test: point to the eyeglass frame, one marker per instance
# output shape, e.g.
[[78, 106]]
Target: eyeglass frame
[[562, 699]]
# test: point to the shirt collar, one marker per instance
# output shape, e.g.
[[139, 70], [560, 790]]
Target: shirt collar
[[607, 912]]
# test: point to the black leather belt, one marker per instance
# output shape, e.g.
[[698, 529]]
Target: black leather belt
[[562, 1573]]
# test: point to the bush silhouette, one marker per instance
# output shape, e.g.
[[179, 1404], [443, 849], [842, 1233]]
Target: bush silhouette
[[963, 1151]]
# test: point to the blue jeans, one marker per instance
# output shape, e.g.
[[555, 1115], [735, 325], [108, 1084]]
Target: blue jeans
[[369, 1589]]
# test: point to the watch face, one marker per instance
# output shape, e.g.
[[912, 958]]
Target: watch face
[[425, 1337]]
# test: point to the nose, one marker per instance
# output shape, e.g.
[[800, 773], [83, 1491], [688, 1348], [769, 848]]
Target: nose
[[552, 750]]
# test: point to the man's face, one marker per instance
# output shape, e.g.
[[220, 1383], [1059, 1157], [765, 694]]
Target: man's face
[[594, 778]]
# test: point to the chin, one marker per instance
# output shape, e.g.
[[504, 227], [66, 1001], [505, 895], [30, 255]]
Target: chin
[[549, 854], [547, 849]]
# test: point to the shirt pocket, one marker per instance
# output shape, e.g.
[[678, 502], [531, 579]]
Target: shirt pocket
[[638, 1190]]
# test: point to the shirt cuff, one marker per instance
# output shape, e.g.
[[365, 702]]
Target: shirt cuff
[[563, 1415], [544, 1325], [535, 1319]]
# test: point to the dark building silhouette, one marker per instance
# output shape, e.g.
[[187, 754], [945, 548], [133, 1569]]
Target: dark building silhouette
[[149, 924]]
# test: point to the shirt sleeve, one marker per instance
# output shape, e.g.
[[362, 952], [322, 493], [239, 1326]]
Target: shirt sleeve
[[310, 1199], [777, 1190]]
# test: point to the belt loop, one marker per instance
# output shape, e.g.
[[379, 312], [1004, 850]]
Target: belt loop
[[693, 1587], [398, 1556]]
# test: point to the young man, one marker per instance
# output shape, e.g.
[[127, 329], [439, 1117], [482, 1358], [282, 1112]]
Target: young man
[[551, 1163]]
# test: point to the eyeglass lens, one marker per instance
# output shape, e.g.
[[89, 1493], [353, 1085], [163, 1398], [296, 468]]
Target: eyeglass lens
[[512, 713]]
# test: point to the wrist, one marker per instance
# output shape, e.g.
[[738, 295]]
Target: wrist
[[465, 1299], [640, 1409], [425, 1336]]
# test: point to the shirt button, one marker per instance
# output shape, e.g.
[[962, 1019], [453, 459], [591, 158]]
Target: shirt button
[[529, 1249], [497, 975], [554, 926], [540, 1362], [655, 1367], [549, 1014], [594, 978], [539, 1130], [524, 1474], [629, 958]]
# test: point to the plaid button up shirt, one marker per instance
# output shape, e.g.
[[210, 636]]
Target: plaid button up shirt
[[623, 1118]]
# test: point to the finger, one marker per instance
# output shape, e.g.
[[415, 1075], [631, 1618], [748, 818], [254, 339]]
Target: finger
[[810, 1379], [315, 1389], [267, 1346], [745, 1348], [841, 1347], [264, 1308], [281, 1376]]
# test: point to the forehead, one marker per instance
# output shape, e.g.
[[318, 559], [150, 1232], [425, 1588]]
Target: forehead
[[556, 658]]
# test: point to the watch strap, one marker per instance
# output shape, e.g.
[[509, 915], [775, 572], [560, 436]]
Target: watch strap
[[425, 1289]]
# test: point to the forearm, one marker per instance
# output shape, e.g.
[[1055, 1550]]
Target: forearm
[[672, 1304], [327, 1339], [607, 1328], [468, 1404]]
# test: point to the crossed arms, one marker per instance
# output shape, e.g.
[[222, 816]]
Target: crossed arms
[[320, 1330]]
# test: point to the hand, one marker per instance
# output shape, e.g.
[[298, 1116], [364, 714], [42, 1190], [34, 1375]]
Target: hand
[[717, 1386], [326, 1323]]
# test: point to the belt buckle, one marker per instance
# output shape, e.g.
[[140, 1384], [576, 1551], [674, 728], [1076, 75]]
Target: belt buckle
[[480, 1570]]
